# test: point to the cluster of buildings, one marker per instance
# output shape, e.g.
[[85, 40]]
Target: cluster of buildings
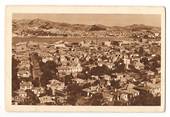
[[120, 71]]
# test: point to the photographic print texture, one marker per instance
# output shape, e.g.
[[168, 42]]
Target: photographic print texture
[[86, 59]]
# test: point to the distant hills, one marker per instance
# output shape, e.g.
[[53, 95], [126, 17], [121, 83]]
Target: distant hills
[[28, 26]]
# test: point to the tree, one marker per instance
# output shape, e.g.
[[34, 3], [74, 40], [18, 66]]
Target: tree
[[141, 51], [100, 70], [119, 66], [97, 28], [146, 99], [144, 60], [115, 84], [97, 99], [48, 91], [32, 98], [74, 92], [35, 68], [36, 82], [68, 79], [49, 72], [15, 80]]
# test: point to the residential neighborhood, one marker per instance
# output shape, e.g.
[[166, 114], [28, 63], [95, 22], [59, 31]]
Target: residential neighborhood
[[98, 66]]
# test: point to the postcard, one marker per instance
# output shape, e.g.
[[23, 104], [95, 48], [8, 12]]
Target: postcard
[[85, 58]]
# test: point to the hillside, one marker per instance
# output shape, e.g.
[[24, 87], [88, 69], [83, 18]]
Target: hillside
[[40, 27]]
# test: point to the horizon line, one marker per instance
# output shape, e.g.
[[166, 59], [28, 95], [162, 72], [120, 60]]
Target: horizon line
[[86, 23]]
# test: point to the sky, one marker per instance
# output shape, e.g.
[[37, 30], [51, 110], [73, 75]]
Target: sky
[[105, 19]]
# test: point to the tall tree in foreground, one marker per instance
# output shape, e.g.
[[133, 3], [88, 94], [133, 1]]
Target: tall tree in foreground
[[15, 80]]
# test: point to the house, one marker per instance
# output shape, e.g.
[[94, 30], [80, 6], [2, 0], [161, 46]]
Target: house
[[38, 91], [94, 77], [124, 43], [150, 73], [85, 43], [119, 76], [55, 85], [60, 45], [21, 93], [130, 86], [91, 90], [21, 47], [154, 89], [23, 74], [46, 99], [107, 43], [79, 81], [106, 77], [132, 92], [45, 59], [43, 46], [18, 100], [135, 56], [138, 65], [26, 85], [70, 69], [61, 100], [108, 97], [107, 80], [145, 40], [157, 34], [156, 79], [63, 59], [126, 62], [158, 70], [33, 45], [124, 97], [123, 81]]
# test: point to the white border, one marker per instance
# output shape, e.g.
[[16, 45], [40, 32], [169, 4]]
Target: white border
[[81, 9]]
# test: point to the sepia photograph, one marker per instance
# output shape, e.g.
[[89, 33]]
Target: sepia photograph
[[66, 58]]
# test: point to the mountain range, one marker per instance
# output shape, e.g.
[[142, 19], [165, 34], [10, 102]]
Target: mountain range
[[41, 24]]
